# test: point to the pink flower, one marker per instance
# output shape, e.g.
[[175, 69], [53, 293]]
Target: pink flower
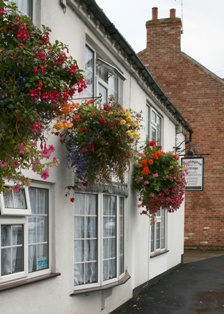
[[51, 148], [22, 148], [16, 188], [46, 153], [2, 11], [3, 164], [155, 175], [15, 164], [45, 174], [56, 161]]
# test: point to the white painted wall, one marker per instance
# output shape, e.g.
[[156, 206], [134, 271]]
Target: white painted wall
[[52, 296]]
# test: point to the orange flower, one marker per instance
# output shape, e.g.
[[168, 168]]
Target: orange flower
[[76, 117], [145, 171], [58, 126], [155, 156], [67, 125], [151, 162], [144, 163], [67, 108]]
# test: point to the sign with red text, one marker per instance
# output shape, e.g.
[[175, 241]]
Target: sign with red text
[[195, 173]]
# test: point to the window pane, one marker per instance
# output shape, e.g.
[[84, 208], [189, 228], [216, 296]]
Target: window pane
[[12, 249], [152, 238], [38, 230], [90, 272], [103, 91], [153, 117], [157, 235], [79, 251], [15, 199], [79, 227], [109, 237], [85, 239], [159, 130], [163, 229], [121, 240], [153, 134], [23, 5], [102, 72], [89, 72], [113, 87]]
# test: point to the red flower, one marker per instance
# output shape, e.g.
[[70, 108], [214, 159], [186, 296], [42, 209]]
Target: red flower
[[36, 127], [72, 199], [33, 93], [152, 144], [91, 147], [41, 55]]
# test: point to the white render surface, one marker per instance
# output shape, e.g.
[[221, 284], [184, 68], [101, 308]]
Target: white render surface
[[52, 296]]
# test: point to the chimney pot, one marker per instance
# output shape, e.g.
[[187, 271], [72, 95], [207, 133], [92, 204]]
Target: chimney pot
[[172, 13], [155, 13]]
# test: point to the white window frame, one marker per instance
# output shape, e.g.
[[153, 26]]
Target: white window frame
[[15, 211], [100, 282], [153, 124], [24, 273], [23, 220], [157, 219], [113, 70]]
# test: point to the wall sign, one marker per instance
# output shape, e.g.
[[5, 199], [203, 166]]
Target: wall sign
[[195, 174]]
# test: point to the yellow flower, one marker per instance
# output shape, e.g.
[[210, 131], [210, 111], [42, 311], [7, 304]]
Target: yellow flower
[[122, 122], [136, 135], [129, 132]]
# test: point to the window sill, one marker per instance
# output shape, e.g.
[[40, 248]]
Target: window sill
[[158, 253], [86, 291], [24, 282]]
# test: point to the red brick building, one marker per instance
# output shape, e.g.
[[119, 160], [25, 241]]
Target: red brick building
[[198, 95]]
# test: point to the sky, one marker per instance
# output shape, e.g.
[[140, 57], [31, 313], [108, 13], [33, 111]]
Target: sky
[[202, 20]]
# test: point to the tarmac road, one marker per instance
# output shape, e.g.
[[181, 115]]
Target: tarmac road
[[196, 286]]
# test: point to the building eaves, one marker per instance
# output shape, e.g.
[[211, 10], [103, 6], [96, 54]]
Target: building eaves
[[94, 10]]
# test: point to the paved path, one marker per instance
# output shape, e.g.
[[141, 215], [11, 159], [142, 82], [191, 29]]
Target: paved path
[[195, 287]]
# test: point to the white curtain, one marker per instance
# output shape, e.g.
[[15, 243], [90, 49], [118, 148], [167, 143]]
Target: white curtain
[[85, 239], [38, 230], [12, 248]]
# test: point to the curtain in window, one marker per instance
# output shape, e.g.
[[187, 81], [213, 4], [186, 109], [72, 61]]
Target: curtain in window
[[121, 223], [85, 239], [109, 237], [15, 199], [38, 230], [12, 249]]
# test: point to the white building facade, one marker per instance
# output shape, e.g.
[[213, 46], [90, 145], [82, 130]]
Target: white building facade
[[91, 255]]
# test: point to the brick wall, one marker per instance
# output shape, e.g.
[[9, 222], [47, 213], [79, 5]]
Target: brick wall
[[198, 95]]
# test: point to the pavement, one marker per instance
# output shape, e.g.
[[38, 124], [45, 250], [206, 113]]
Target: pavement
[[194, 287]]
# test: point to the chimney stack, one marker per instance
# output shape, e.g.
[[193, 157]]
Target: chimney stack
[[163, 35], [155, 13], [172, 13]]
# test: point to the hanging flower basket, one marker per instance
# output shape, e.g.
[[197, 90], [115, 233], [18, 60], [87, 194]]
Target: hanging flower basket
[[37, 79], [159, 179], [99, 140]]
